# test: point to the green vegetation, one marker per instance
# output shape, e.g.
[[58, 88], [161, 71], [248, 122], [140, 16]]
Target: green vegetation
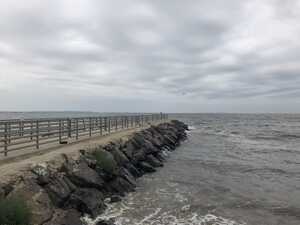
[[106, 161], [14, 211]]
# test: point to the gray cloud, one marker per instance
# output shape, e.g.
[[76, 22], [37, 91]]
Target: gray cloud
[[150, 55]]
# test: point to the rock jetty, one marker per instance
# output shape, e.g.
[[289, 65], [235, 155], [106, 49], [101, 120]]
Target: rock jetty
[[62, 194]]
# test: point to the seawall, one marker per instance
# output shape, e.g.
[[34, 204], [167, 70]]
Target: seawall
[[60, 193]]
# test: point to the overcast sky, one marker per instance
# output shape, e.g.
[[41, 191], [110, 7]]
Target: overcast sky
[[156, 55]]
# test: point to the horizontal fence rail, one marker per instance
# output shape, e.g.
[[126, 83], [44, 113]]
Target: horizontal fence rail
[[33, 133]]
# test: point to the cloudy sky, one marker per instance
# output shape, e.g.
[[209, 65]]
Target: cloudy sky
[[155, 55]]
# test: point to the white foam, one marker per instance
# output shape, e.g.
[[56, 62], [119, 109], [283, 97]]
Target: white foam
[[192, 127], [160, 217]]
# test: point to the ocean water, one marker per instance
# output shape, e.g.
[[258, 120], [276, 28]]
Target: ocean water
[[58, 114], [233, 170]]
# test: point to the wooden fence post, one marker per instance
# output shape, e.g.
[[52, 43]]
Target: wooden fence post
[[69, 128], [31, 130], [59, 132], [90, 127], [37, 135], [9, 132], [109, 124], [48, 128], [101, 126], [5, 138], [77, 131], [116, 121]]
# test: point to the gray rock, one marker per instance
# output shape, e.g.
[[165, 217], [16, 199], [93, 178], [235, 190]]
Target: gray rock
[[133, 170], [83, 176], [115, 198], [59, 189], [120, 186], [65, 217], [153, 161], [37, 199], [87, 201], [105, 222], [127, 176], [146, 167], [119, 156]]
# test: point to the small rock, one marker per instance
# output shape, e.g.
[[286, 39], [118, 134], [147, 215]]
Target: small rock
[[115, 198], [153, 161], [146, 167], [106, 222]]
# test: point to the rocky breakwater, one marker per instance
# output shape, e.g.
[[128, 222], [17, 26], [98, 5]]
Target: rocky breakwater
[[61, 193]]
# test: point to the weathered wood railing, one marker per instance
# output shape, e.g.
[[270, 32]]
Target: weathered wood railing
[[29, 133]]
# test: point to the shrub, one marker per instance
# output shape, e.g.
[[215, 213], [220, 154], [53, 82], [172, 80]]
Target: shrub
[[14, 211]]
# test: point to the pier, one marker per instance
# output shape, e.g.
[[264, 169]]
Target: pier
[[21, 136]]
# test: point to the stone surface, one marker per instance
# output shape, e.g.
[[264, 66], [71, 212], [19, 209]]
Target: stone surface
[[146, 167], [105, 222], [65, 217], [83, 176], [87, 201], [36, 198], [59, 189], [153, 161]]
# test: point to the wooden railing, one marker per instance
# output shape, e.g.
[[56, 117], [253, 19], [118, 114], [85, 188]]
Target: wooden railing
[[33, 133]]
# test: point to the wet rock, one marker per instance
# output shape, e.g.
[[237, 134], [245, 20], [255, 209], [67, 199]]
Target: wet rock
[[120, 186], [139, 155], [154, 162], [129, 149], [83, 176], [119, 156], [146, 167], [65, 217], [133, 170], [88, 201], [105, 222], [59, 189], [160, 156], [115, 198], [127, 176]]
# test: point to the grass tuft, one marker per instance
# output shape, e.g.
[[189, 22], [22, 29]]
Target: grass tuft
[[14, 211]]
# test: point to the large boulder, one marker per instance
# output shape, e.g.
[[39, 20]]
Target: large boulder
[[119, 156], [106, 163], [153, 161], [146, 167], [65, 217], [87, 201], [37, 199], [133, 170], [82, 175], [128, 176], [120, 186], [129, 149], [59, 189]]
